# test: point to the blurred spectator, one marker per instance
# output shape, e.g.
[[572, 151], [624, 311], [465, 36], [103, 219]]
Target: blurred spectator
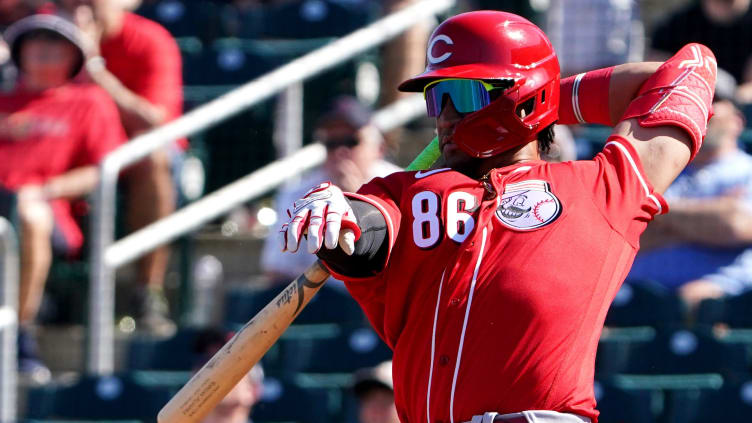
[[138, 63], [7, 70], [592, 34], [531, 10], [354, 156], [723, 25], [236, 407], [4, 51], [243, 18], [402, 57], [374, 390], [703, 246], [11, 11], [14, 10], [52, 134]]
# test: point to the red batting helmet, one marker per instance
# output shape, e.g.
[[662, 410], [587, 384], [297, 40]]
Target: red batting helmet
[[491, 45]]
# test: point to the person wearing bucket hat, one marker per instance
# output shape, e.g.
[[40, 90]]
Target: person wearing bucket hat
[[491, 273], [53, 132], [51, 27], [703, 248]]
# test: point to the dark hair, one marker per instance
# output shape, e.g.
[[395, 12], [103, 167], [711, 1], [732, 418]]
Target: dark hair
[[43, 34], [546, 138]]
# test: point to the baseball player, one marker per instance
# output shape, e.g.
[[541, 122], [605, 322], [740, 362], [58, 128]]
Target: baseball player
[[490, 274]]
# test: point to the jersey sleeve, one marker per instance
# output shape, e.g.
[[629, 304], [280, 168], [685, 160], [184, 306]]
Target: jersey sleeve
[[102, 131], [163, 83], [619, 188]]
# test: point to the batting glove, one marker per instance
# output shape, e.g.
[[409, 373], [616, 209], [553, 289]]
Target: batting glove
[[325, 216]]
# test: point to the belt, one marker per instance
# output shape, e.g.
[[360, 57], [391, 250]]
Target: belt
[[537, 416], [509, 418]]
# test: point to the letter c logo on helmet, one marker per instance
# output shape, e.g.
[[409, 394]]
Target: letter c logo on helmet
[[433, 59]]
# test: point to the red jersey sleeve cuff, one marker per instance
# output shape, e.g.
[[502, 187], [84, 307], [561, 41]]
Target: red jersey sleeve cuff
[[625, 148]]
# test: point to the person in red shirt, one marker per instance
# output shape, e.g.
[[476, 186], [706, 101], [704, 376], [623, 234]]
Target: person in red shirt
[[138, 63], [52, 135], [490, 274]]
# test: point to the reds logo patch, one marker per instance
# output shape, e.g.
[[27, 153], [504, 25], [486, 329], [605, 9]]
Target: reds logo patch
[[528, 205]]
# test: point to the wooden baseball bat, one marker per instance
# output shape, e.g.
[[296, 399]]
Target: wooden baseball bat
[[236, 358]]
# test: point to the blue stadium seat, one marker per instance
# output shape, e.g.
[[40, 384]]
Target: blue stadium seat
[[737, 311], [315, 18], [329, 305], [344, 349], [111, 397], [618, 405], [731, 403], [683, 351], [644, 303], [616, 346], [734, 311], [353, 348], [175, 353], [191, 51], [247, 22], [183, 18], [283, 400], [230, 61], [290, 352], [239, 146]]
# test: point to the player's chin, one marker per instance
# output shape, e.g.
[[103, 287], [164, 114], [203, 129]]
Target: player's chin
[[458, 160]]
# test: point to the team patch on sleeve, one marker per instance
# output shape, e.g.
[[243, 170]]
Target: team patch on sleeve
[[528, 205]]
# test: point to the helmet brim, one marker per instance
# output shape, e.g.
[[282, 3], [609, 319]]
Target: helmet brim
[[466, 71]]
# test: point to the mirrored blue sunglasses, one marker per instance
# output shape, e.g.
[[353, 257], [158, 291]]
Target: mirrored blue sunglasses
[[468, 95]]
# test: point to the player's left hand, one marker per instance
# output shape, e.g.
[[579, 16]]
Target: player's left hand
[[326, 216]]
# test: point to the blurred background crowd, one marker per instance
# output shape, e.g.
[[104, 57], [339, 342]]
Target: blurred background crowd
[[80, 78]]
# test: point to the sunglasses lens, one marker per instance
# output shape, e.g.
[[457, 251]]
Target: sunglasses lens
[[467, 96]]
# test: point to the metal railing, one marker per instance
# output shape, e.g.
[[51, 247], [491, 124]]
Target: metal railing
[[9, 267], [100, 340], [243, 190]]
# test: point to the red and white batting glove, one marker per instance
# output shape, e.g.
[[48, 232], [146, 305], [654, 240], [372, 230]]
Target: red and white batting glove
[[326, 216]]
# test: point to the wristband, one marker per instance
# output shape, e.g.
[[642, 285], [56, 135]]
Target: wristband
[[95, 64], [585, 98]]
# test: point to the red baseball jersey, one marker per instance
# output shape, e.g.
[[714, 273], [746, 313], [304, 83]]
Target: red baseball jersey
[[45, 134], [495, 290], [146, 59]]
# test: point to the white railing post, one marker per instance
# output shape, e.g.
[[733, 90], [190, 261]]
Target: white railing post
[[100, 347], [9, 269], [288, 120], [100, 341]]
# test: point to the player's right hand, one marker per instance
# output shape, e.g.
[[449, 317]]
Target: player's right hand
[[325, 216]]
